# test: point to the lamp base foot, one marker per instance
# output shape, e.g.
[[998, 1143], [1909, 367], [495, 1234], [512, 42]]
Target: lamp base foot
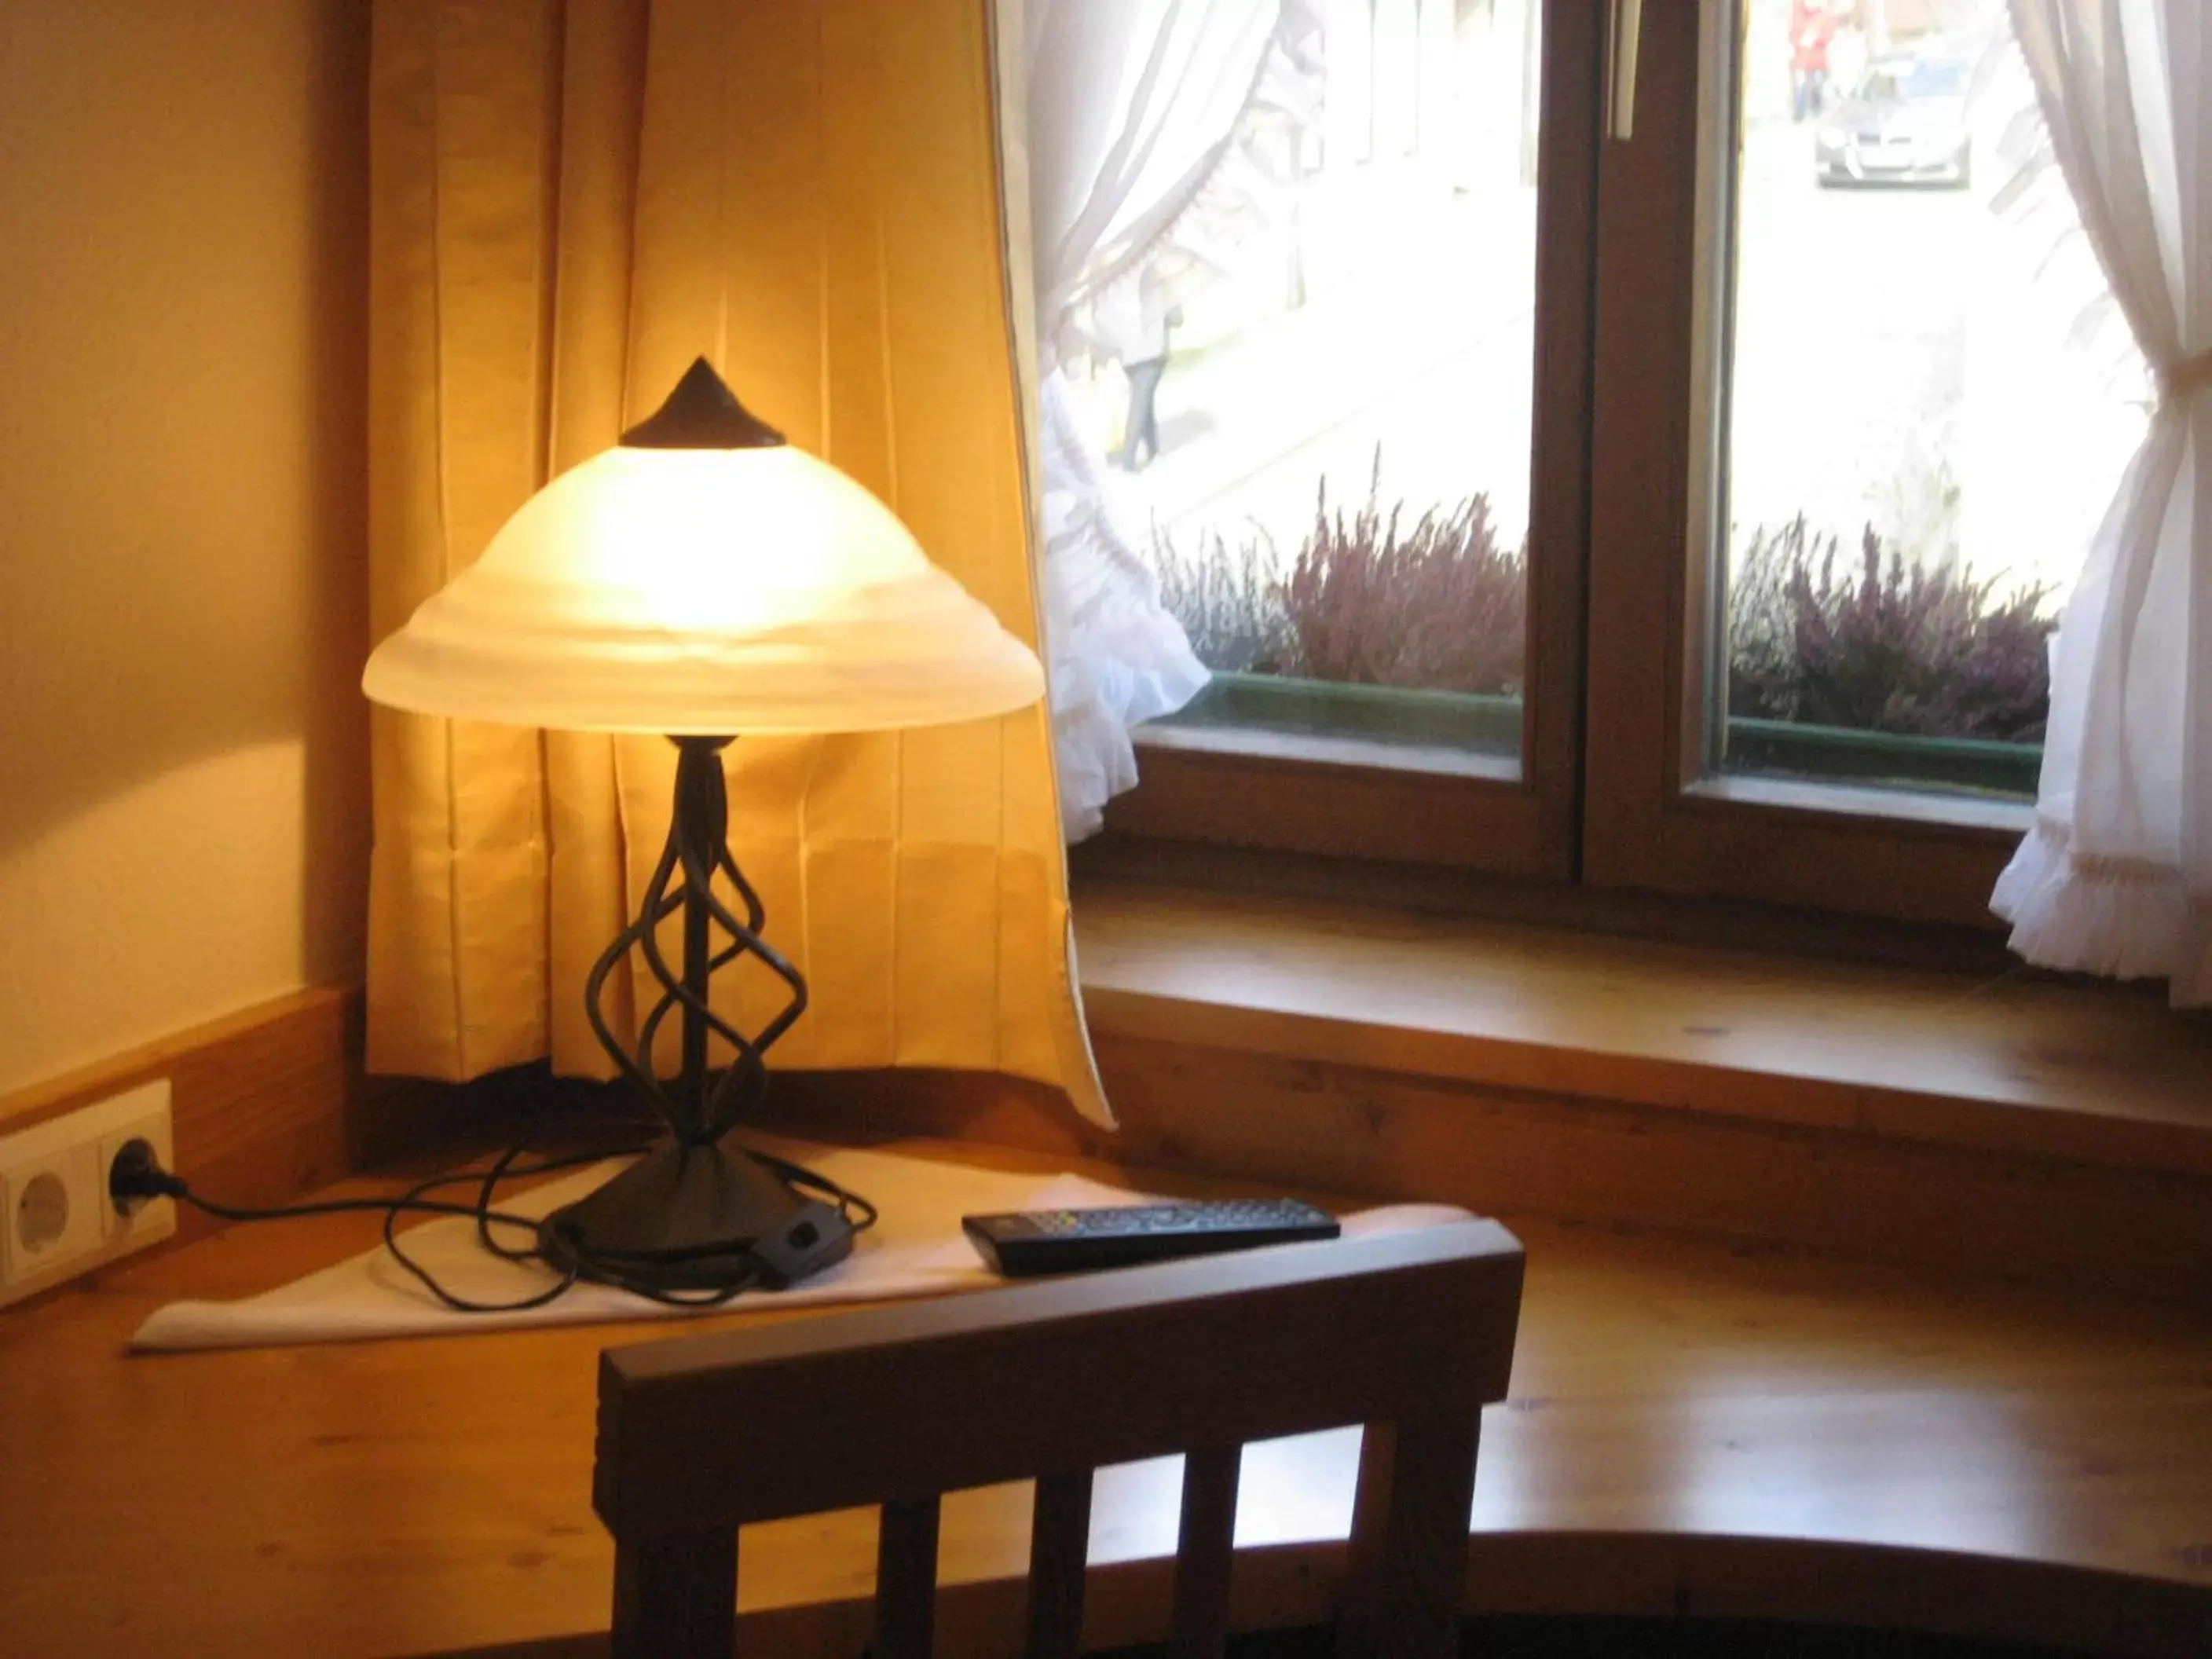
[[690, 1219]]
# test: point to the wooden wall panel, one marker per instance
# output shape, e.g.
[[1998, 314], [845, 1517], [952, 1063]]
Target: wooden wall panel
[[1297, 1123]]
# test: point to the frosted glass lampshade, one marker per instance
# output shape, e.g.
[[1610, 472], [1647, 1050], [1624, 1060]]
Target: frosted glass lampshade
[[704, 590]]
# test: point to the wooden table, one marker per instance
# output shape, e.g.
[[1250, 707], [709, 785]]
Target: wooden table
[[1689, 1428]]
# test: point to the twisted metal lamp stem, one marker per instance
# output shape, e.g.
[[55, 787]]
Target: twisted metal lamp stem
[[698, 1105]]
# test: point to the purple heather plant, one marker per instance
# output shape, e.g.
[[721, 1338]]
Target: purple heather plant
[[1434, 605], [1886, 647], [1368, 599], [1230, 608]]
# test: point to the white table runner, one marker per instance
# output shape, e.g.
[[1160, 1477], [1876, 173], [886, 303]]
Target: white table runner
[[916, 1248]]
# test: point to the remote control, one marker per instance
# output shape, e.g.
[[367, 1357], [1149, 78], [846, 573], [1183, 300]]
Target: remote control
[[1030, 1242]]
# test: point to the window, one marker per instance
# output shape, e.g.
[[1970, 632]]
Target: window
[[1887, 346], [1677, 495], [1923, 411], [1338, 504], [1312, 398]]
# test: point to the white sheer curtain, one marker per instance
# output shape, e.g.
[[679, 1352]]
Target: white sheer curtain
[[2116, 876], [1134, 107]]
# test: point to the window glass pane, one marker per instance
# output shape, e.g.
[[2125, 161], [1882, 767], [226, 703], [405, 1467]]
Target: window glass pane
[[1310, 390], [1927, 400]]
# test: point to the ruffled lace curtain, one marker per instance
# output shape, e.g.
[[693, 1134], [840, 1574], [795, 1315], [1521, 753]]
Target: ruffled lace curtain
[[1133, 107], [2116, 876]]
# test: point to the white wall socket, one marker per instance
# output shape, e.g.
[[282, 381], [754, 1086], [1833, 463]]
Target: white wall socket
[[57, 1219]]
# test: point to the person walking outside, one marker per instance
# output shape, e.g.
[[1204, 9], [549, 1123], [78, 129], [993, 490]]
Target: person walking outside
[[1136, 325], [1811, 30]]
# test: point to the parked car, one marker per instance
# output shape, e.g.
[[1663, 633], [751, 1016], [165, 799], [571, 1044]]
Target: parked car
[[1905, 123]]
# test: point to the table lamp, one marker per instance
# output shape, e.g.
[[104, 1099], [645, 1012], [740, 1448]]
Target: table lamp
[[702, 580]]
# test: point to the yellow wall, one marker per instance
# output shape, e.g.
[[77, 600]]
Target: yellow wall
[[183, 782]]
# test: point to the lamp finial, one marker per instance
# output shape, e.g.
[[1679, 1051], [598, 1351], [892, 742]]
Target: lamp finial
[[702, 413]]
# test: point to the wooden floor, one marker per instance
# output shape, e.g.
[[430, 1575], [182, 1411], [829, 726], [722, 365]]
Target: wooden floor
[[1690, 1428]]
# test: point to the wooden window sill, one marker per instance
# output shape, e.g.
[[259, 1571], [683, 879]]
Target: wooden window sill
[[2018, 1065], [2013, 1127]]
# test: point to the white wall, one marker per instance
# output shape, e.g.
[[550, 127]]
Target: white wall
[[183, 780]]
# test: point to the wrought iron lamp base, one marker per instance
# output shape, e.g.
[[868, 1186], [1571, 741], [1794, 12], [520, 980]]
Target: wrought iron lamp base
[[701, 1214], [689, 1219]]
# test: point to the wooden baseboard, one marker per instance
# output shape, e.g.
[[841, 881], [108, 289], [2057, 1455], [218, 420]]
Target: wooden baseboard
[[268, 1103]]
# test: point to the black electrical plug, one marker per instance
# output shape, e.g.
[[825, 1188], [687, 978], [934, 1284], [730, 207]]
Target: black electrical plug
[[136, 1177]]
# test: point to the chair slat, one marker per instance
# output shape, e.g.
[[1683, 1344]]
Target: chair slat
[[676, 1597], [1362, 1555], [1407, 1566], [906, 1577], [1205, 1551], [1059, 1546]]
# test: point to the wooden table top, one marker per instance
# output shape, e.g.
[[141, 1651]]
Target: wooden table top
[[1670, 1401]]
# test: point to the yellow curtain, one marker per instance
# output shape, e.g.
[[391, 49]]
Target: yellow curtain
[[570, 202]]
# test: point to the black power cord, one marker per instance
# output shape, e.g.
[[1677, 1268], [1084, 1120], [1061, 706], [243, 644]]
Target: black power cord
[[137, 1175]]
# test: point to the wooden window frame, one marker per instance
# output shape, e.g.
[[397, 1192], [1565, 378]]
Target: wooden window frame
[[1662, 824], [1613, 791]]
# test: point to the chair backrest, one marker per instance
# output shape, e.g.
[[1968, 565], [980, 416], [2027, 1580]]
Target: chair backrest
[[1410, 1333]]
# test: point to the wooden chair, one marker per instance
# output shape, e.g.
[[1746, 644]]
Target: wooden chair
[[1410, 1335]]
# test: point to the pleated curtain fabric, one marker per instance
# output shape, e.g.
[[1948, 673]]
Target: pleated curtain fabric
[[570, 202]]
